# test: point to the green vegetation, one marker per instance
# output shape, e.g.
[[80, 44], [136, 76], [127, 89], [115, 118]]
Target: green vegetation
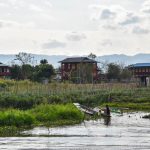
[[29, 104], [25, 94], [41, 115], [57, 114], [26, 69], [8, 131]]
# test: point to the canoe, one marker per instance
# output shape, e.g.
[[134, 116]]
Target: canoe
[[85, 109]]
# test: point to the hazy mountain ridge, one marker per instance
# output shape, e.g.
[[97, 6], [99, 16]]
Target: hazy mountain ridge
[[54, 59]]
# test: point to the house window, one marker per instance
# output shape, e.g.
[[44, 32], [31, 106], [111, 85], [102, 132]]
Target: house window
[[63, 74], [63, 66], [146, 69], [73, 66], [0, 69], [69, 66], [7, 70], [143, 70]]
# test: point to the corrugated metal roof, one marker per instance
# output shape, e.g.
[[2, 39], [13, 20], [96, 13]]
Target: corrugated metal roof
[[140, 65], [3, 65], [78, 60]]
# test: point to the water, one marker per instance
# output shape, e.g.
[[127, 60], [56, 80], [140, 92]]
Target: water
[[127, 132]]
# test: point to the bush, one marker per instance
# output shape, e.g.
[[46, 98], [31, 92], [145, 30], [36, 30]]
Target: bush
[[52, 113], [16, 118]]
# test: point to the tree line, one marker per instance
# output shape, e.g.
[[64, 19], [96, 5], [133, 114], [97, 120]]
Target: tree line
[[44, 70], [28, 71]]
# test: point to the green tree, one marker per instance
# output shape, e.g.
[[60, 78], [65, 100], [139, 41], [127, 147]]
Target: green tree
[[125, 74], [92, 56], [16, 72], [113, 71], [43, 71], [24, 58], [27, 71], [44, 61]]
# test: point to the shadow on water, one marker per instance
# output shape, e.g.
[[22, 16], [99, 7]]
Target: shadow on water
[[107, 121]]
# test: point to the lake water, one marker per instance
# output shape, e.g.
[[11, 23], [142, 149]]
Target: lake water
[[127, 132]]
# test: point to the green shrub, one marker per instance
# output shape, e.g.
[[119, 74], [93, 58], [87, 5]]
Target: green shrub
[[52, 113], [16, 118]]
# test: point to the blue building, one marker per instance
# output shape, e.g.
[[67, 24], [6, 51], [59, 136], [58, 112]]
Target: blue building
[[141, 71]]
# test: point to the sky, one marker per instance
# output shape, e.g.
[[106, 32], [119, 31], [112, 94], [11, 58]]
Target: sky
[[75, 27]]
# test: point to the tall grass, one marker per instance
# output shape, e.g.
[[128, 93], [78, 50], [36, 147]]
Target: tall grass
[[26, 94], [34, 88], [16, 118], [54, 113], [41, 115]]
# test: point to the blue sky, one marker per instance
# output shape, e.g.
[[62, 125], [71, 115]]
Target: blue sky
[[75, 27]]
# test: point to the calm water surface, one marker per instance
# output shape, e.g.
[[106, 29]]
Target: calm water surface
[[127, 132]]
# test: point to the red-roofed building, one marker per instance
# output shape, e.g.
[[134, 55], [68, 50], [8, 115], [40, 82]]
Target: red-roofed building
[[79, 70], [4, 70]]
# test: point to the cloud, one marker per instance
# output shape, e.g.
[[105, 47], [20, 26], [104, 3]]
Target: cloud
[[130, 19], [3, 4], [4, 23], [14, 24], [74, 36], [140, 30], [146, 7], [107, 14], [110, 27], [106, 42], [116, 17], [53, 44], [27, 5], [35, 8], [1, 24]]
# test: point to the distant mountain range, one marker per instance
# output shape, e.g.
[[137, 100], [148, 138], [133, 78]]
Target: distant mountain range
[[54, 59]]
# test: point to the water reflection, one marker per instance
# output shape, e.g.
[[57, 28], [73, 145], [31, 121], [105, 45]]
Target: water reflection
[[107, 121]]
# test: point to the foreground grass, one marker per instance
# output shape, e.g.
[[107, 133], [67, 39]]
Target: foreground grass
[[48, 115]]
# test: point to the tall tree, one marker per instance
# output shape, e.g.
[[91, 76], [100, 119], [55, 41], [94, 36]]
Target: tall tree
[[24, 58], [44, 70], [44, 61], [113, 71], [92, 56], [27, 71], [16, 72]]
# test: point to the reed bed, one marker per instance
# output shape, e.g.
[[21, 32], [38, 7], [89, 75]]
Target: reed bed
[[25, 94], [33, 88]]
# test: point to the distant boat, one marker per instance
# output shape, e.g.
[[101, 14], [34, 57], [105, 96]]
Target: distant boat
[[90, 111], [86, 109]]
